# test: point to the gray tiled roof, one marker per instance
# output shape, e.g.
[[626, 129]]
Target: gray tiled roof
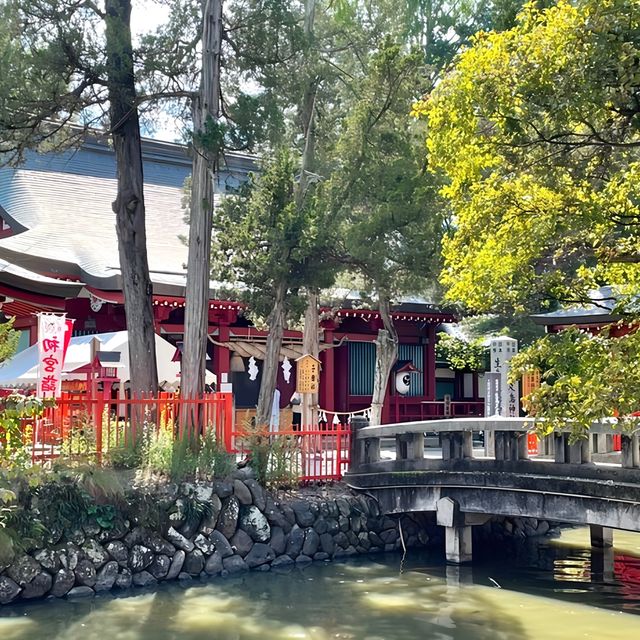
[[63, 205]]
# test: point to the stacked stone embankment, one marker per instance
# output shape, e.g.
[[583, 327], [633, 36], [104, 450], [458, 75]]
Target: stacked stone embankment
[[213, 529]]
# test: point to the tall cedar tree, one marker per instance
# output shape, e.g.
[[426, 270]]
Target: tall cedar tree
[[69, 62]]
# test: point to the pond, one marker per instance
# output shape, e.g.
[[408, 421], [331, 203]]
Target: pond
[[555, 590]]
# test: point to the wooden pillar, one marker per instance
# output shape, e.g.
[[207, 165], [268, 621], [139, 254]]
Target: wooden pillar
[[430, 369], [33, 333], [327, 379], [221, 355]]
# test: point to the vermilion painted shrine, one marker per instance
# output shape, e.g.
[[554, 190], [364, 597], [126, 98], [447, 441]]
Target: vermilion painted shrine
[[58, 253]]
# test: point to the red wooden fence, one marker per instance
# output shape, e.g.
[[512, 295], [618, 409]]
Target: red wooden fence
[[310, 455], [78, 425]]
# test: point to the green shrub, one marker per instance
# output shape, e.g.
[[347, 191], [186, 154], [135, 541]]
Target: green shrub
[[213, 459], [17, 414]]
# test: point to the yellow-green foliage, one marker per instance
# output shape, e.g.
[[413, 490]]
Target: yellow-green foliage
[[537, 131], [8, 340], [17, 413], [585, 378]]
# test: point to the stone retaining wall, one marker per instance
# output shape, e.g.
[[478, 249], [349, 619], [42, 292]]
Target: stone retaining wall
[[241, 527]]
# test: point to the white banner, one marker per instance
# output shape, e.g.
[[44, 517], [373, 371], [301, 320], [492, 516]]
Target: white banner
[[51, 336]]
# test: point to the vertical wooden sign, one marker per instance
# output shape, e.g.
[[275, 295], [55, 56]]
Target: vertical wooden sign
[[307, 374]]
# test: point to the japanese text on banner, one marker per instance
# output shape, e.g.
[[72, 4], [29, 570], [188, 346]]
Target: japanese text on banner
[[51, 341]]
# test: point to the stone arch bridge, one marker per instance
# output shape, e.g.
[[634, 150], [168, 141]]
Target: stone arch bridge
[[466, 486]]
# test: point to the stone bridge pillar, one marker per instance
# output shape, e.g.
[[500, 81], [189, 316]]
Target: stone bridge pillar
[[601, 537], [458, 541]]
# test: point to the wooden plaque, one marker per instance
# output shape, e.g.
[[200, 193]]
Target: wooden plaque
[[307, 374]]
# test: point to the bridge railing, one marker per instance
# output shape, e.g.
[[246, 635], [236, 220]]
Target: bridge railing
[[507, 435]]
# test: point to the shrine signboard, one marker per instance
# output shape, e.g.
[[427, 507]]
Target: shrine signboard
[[307, 374]]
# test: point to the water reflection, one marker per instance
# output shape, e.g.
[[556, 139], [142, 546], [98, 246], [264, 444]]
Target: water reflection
[[550, 591]]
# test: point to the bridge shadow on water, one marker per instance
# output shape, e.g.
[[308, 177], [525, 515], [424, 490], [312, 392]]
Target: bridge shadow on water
[[567, 569]]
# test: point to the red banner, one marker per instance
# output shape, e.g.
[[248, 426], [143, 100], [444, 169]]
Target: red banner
[[52, 343]]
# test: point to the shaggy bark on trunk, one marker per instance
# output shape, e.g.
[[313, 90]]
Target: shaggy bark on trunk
[[205, 111], [386, 355], [129, 204], [276, 322]]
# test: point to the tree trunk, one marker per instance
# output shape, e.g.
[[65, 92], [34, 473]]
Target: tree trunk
[[386, 356], [276, 322], [307, 112], [205, 165], [129, 203], [307, 115], [311, 345]]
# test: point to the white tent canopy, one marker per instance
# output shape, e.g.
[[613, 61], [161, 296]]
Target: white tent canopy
[[22, 369]]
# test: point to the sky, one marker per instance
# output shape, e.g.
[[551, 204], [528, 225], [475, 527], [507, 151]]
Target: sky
[[147, 15]]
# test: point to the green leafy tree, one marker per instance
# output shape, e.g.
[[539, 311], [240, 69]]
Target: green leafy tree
[[72, 63], [270, 247], [389, 219], [537, 133], [520, 327], [585, 378], [460, 354], [8, 340]]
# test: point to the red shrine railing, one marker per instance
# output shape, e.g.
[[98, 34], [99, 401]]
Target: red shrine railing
[[77, 426], [312, 454]]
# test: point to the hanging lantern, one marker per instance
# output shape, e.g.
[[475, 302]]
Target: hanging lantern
[[404, 370]]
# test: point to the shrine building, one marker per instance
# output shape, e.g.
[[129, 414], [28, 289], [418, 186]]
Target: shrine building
[[58, 253]]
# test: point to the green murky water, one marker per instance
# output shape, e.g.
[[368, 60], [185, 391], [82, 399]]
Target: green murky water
[[556, 591]]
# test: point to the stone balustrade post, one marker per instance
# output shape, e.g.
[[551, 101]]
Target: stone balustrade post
[[410, 446], [521, 446], [457, 445], [500, 446], [357, 447], [371, 450], [559, 447], [630, 454]]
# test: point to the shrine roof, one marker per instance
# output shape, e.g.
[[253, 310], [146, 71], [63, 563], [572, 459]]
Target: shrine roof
[[60, 207], [600, 311], [20, 278]]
